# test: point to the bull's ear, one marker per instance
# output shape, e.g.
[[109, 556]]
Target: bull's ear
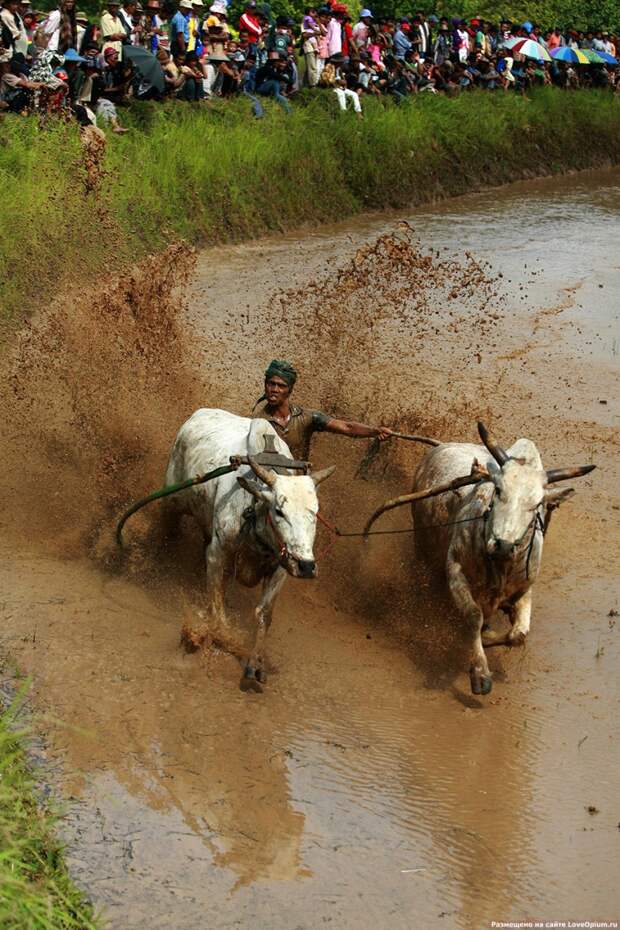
[[318, 476], [252, 487], [556, 497]]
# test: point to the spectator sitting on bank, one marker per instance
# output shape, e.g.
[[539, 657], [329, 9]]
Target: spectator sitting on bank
[[44, 61], [273, 81], [15, 87], [115, 77], [192, 88], [344, 94], [89, 102]]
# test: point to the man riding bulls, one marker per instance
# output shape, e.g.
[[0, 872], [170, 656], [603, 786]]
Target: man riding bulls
[[296, 425]]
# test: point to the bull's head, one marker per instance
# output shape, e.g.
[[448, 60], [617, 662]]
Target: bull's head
[[522, 497], [288, 517]]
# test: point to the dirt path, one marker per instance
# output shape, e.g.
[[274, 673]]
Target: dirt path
[[366, 787]]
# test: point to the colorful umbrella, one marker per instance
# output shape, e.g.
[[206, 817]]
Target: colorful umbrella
[[573, 55], [529, 48], [593, 57], [607, 58]]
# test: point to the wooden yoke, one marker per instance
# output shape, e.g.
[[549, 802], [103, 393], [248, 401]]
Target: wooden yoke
[[271, 458]]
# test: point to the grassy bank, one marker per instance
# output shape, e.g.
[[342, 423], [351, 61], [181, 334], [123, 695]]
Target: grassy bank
[[36, 892], [212, 175]]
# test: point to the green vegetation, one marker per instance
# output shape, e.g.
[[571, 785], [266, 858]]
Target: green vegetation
[[36, 892], [214, 175], [576, 14]]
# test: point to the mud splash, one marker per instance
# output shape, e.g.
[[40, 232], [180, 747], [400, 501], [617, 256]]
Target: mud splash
[[94, 388]]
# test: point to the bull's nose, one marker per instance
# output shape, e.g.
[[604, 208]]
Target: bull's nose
[[307, 568], [501, 549]]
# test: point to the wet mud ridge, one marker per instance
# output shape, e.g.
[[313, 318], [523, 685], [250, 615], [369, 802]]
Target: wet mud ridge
[[366, 786]]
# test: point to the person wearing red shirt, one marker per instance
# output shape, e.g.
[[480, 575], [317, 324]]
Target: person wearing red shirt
[[249, 23]]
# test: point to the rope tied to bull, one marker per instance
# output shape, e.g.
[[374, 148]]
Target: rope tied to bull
[[164, 492]]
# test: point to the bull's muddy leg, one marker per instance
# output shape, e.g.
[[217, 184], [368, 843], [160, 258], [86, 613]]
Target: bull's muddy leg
[[520, 619], [254, 673], [479, 674], [216, 583]]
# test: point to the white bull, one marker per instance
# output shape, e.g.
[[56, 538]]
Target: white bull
[[258, 525], [488, 539]]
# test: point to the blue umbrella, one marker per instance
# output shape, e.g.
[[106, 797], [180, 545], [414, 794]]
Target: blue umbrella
[[573, 55], [607, 58]]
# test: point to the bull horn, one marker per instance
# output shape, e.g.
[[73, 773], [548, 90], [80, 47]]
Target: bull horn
[[499, 454], [318, 476], [561, 474], [480, 474], [265, 474]]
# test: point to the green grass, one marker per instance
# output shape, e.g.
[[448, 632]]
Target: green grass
[[36, 892], [215, 174]]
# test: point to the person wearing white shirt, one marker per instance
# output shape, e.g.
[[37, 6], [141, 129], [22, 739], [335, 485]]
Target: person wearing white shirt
[[126, 15]]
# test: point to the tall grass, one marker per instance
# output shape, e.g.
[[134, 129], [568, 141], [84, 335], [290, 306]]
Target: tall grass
[[36, 892], [215, 174]]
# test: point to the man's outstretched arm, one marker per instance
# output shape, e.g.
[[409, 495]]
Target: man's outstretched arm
[[357, 430]]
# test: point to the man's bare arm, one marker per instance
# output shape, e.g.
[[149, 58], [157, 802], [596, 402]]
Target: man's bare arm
[[357, 430]]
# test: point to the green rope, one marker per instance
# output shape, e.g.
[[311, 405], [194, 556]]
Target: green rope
[[169, 489]]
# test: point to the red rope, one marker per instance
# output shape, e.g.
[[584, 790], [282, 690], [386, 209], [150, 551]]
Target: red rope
[[333, 530]]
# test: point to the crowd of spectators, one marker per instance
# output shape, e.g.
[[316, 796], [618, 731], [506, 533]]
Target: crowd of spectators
[[67, 61]]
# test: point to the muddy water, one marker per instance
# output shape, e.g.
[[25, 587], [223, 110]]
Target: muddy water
[[366, 788]]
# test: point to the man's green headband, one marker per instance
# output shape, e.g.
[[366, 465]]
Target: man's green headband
[[282, 370]]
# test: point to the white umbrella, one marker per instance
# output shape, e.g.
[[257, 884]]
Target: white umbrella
[[529, 48]]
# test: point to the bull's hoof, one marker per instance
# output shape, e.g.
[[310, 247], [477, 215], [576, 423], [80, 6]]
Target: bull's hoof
[[516, 638], [261, 675], [480, 684], [250, 680]]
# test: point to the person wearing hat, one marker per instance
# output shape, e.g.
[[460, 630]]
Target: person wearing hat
[[272, 77], [401, 43], [15, 88], [296, 425], [81, 24], [442, 46], [157, 26], [280, 40], [14, 33], [361, 30], [179, 28], [112, 32], [217, 15], [194, 43], [30, 20]]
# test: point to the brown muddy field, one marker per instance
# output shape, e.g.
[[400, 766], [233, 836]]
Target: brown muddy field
[[366, 788]]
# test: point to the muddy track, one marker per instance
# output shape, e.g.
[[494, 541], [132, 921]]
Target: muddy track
[[366, 787]]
